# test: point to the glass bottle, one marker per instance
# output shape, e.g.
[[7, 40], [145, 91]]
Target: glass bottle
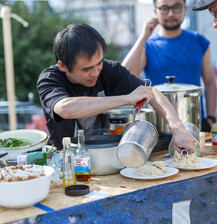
[[82, 159], [214, 136], [69, 177]]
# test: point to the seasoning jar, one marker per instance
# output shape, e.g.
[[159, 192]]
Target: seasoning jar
[[214, 136]]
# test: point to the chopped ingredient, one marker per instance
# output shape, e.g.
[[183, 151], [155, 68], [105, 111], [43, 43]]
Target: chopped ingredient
[[14, 142]]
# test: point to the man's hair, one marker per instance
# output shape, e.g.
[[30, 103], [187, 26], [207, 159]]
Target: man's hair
[[77, 40], [154, 2]]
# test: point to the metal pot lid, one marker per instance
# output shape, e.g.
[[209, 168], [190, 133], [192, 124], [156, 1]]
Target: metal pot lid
[[99, 141], [177, 87]]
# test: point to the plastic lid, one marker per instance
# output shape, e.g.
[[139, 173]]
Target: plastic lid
[[77, 190]]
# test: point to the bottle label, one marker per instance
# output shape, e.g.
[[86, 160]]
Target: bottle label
[[214, 138], [82, 165], [22, 160]]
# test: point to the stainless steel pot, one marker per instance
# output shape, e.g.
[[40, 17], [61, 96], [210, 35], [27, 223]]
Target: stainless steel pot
[[113, 119], [185, 99], [102, 150]]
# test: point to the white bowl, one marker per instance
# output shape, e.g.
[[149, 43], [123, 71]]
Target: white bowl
[[37, 137], [21, 194]]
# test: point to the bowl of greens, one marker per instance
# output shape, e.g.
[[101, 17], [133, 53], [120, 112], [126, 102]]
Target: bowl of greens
[[22, 141]]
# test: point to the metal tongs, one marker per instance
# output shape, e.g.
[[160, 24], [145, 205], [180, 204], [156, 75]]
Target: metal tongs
[[140, 104]]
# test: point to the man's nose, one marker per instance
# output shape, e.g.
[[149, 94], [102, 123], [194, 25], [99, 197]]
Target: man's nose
[[170, 12], [94, 71]]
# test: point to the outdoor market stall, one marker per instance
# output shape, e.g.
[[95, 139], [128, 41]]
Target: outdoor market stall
[[129, 200]]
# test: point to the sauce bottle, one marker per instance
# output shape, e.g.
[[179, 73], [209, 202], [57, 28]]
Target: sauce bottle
[[68, 164], [82, 159], [214, 136]]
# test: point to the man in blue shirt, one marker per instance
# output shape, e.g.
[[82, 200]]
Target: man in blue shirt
[[175, 52]]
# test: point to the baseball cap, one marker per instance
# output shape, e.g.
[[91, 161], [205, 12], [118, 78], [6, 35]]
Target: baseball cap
[[202, 4]]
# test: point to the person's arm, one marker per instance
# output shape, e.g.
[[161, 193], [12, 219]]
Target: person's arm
[[182, 138], [210, 85], [136, 61], [82, 107]]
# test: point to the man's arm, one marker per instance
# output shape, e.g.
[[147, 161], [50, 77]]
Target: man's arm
[[210, 85], [136, 61], [82, 107]]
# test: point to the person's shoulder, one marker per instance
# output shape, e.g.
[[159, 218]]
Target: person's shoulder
[[53, 69], [193, 34], [154, 37]]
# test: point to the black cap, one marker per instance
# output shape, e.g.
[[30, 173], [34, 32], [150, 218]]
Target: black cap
[[202, 4], [77, 190]]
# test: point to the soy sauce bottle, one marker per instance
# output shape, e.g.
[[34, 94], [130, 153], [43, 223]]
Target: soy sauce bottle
[[82, 159]]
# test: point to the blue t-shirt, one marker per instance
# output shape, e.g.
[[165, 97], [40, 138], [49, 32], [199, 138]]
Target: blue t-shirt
[[180, 56]]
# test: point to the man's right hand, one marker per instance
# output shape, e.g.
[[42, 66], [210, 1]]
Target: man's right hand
[[140, 93], [149, 26]]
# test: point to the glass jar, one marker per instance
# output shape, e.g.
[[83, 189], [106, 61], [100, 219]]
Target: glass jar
[[214, 136]]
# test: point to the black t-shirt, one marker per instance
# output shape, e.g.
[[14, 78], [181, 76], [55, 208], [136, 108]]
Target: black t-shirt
[[53, 86]]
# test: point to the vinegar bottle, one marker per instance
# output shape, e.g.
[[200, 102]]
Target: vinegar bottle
[[68, 164], [82, 159]]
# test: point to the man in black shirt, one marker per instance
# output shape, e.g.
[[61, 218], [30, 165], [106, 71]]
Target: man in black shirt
[[69, 91]]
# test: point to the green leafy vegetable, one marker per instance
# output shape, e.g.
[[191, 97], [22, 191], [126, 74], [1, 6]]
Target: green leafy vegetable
[[14, 142]]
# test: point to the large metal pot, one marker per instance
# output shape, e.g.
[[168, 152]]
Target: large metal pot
[[102, 150], [113, 119], [186, 100]]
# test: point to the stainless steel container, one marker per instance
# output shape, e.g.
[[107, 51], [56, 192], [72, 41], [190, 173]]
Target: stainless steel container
[[196, 134], [137, 143], [185, 99], [113, 119], [102, 150]]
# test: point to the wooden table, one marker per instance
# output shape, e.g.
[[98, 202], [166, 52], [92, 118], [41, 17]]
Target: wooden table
[[112, 184]]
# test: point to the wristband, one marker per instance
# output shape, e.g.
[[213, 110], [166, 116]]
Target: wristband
[[212, 118]]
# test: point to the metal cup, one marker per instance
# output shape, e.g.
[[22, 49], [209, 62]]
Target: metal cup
[[138, 140], [193, 129], [196, 134]]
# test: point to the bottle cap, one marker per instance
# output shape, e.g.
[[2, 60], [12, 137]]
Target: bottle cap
[[66, 141], [77, 190]]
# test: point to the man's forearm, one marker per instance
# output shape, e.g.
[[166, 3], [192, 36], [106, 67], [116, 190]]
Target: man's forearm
[[165, 109], [211, 97], [82, 107]]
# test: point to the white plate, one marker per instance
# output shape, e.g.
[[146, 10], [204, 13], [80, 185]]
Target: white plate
[[129, 172], [205, 164]]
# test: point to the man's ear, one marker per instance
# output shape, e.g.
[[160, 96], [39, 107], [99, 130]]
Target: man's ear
[[62, 66]]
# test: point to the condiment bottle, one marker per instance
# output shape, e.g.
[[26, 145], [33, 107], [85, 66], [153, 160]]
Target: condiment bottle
[[82, 159], [214, 136], [68, 164]]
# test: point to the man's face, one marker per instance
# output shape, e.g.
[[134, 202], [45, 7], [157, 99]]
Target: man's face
[[170, 19], [213, 10], [86, 71]]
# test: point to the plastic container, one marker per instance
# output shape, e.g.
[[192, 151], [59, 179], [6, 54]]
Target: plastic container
[[214, 136]]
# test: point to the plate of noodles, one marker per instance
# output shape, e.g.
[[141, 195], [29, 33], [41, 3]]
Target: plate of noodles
[[149, 171], [205, 163]]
